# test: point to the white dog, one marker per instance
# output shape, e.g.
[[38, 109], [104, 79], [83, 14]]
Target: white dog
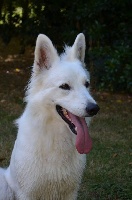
[[48, 158]]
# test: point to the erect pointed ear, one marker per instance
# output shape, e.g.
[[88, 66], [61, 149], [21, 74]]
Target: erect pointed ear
[[45, 52], [79, 47]]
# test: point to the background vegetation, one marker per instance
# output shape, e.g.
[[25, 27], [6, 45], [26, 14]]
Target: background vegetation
[[105, 23]]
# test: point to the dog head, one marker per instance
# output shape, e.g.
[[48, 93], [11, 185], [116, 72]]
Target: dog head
[[64, 82]]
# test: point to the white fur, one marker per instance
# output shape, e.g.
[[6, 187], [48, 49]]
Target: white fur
[[45, 164]]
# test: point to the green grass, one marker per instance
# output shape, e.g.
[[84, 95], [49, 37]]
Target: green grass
[[108, 171]]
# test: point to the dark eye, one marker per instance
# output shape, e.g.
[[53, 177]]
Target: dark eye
[[87, 84], [65, 86]]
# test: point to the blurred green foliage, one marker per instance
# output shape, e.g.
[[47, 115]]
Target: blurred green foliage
[[105, 23], [112, 68]]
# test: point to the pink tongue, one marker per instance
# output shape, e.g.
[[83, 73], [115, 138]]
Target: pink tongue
[[83, 140]]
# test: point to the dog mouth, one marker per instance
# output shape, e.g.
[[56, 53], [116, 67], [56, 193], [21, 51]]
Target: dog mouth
[[79, 127], [64, 115]]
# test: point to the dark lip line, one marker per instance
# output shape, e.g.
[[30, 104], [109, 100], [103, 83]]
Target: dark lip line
[[71, 125]]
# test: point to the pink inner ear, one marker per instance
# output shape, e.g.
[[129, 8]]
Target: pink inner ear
[[43, 58]]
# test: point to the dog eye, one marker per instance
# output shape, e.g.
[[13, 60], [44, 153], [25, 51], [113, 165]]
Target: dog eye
[[65, 86], [87, 84]]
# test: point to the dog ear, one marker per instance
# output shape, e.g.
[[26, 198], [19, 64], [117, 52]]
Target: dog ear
[[79, 47], [45, 52]]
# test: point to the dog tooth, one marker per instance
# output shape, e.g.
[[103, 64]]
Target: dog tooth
[[75, 128], [64, 111], [67, 116]]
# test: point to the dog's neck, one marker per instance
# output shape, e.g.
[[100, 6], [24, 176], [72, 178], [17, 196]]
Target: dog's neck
[[36, 130]]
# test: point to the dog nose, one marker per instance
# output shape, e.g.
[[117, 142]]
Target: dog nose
[[92, 109]]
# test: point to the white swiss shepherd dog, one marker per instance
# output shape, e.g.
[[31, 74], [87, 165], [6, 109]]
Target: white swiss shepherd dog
[[49, 154]]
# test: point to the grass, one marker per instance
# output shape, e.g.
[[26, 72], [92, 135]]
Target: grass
[[108, 171]]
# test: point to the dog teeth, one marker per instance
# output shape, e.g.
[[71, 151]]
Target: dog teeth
[[66, 114], [68, 117], [76, 129], [64, 111]]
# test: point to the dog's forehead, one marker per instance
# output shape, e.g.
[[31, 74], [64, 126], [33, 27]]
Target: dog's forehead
[[73, 69], [67, 72]]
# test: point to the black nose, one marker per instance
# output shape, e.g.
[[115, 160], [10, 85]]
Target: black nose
[[92, 109]]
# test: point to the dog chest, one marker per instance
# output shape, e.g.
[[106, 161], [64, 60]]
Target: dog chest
[[54, 176]]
